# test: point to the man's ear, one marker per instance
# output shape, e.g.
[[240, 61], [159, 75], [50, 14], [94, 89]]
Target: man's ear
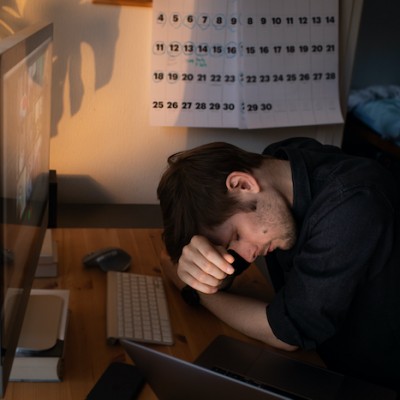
[[242, 182]]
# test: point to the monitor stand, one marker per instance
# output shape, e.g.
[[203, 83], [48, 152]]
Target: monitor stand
[[41, 326]]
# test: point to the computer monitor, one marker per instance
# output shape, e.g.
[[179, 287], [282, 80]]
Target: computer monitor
[[25, 92]]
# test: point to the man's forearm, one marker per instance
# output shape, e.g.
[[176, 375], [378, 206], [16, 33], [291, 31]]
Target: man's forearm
[[245, 314]]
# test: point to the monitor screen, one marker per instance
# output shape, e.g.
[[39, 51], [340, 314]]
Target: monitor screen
[[25, 108]]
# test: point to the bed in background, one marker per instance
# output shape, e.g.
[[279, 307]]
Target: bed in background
[[372, 126]]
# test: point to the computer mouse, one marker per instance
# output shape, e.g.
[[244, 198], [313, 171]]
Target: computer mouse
[[108, 259]]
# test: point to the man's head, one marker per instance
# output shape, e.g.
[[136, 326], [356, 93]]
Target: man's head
[[193, 193]]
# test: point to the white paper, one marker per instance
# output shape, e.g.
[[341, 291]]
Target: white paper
[[245, 63]]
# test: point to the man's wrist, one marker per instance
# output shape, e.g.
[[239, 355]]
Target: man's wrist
[[190, 296], [227, 283]]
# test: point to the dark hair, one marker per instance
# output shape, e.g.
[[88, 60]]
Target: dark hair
[[193, 194]]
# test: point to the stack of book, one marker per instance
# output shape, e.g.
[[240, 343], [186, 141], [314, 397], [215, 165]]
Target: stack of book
[[48, 260], [41, 346]]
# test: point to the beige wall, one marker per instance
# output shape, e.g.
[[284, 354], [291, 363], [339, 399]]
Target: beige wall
[[102, 146]]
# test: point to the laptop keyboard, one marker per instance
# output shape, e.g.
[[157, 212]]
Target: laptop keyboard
[[137, 308]]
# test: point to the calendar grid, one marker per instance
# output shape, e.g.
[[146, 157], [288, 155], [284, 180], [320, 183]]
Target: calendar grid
[[252, 64]]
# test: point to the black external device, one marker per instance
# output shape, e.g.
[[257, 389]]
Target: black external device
[[240, 264], [119, 381]]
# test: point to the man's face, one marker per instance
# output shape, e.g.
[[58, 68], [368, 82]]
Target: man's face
[[259, 232]]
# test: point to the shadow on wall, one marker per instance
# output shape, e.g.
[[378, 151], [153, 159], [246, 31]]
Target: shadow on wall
[[98, 209], [10, 19], [75, 23], [74, 188]]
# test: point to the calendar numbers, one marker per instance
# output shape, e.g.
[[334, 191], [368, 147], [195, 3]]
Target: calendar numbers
[[233, 21], [158, 76], [204, 106], [190, 21], [231, 49], [203, 21], [175, 20], [234, 63], [188, 48], [220, 20], [161, 18]]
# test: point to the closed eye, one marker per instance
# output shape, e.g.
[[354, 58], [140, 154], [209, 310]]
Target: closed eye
[[234, 239]]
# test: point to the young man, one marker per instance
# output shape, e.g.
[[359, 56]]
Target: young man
[[328, 225]]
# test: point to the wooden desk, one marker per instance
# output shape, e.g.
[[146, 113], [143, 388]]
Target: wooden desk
[[87, 354]]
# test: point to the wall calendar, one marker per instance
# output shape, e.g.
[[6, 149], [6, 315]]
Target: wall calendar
[[245, 63]]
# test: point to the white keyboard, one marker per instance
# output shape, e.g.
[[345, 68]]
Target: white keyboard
[[137, 308]]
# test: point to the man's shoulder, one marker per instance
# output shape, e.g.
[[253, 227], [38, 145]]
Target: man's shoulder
[[300, 143]]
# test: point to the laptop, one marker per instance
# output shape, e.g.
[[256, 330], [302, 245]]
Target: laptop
[[235, 370]]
